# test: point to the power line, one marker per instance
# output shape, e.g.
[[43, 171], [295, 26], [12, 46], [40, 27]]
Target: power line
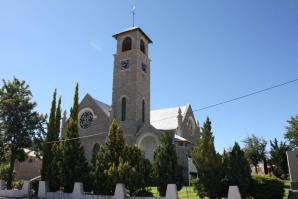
[[81, 137], [234, 99], [247, 95], [196, 110]]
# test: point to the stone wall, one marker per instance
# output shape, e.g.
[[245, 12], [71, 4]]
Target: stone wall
[[100, 125]]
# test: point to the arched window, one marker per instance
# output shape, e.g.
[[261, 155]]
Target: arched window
[[126, 45], [123, 111], [142, 46], [143, 111]]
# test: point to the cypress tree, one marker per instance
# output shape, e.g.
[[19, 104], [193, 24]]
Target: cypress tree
[[75, 165], [56, 179], [118, 162], [165, 164], [108, 159], [207, 161], [58, 119], [239, 172], [47, 153]]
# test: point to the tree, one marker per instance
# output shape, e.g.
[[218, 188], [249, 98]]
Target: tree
[[239, 172], [278, 158], [57, 175], [1, 148], [51, 136], [292, 131], [108, 159], [165, 164], [118, 162], [207, 161], [21, 126], [75, 165], [255, 151], [135, 170], [224, 174]]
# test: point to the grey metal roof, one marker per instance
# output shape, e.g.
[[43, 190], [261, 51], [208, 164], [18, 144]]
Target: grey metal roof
[[166, 119], [132, 29]]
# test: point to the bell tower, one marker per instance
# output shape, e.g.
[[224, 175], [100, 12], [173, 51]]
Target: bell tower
[[131, 82]]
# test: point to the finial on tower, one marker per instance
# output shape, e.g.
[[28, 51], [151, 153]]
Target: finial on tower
[[179, 111], [133, 16]]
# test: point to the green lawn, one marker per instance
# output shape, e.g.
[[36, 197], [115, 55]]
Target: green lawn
[[188, 192], [184, 193], [287, 188]]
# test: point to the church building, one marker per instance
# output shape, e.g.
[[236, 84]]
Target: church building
[[131, 106]]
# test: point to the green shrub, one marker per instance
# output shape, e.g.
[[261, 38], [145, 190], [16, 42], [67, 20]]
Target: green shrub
[[198, 187], [18, 184], [265, 186], [4, 170], [143, 193]]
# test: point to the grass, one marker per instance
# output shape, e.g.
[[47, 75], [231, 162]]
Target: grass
[[189, 193], [184, 193], [286, 188]]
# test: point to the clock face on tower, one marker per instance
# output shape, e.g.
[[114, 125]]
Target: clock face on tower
[[86, 120], [124, 64]]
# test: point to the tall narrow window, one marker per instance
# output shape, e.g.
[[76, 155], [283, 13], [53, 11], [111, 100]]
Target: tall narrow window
[[126, 45], [142, 46], [143, 111], [123, 111]]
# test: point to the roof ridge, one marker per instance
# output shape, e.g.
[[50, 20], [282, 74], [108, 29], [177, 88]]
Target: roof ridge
[[176, 107]]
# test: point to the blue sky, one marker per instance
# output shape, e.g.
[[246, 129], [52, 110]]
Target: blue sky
[[204, 52]]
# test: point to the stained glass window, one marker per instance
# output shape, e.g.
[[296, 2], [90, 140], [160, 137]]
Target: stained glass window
[[86, 120]]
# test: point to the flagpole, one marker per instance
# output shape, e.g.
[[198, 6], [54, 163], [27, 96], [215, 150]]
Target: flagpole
[[133, 16]]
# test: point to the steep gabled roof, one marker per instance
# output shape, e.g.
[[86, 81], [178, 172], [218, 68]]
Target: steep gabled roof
[[106, 108], [166, 119], [103, 106]]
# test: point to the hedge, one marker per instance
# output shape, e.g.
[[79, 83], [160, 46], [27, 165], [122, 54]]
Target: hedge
[[265, 186]]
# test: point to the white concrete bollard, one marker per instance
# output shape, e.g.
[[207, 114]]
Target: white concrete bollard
[[26, 188], [234, 192], [43, 188], [2, 185], [119, 192], [172, 192], [78, 191]]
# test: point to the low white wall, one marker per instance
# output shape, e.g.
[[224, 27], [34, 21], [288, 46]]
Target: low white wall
[[234, 193], [78, 193], [2, 184], [24, 192]]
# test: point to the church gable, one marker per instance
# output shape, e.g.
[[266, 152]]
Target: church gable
[[94, 122], [167, 120], [93, 116], [189, 128]]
